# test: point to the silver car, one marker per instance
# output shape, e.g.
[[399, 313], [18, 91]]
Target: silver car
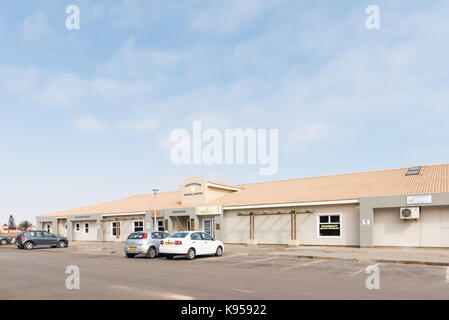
[[146, 243]]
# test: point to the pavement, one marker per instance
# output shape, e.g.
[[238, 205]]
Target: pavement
[[417, 256], [43, 273]]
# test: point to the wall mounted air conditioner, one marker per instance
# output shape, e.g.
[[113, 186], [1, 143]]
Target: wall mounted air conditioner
[[409, 213]]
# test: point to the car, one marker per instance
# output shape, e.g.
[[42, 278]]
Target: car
[[36, 238], [144, 243], [191, 244], [4, 240]]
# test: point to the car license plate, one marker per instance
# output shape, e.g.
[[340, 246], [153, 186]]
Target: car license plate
[[132, 248], [169, 243]]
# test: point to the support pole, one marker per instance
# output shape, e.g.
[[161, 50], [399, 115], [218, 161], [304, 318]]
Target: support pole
[[252, 238], [294, 242]]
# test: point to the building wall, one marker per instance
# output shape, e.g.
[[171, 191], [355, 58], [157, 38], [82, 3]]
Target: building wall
[[431, 230], [62, 227], [275, 229], [81, 235], [126, 228]]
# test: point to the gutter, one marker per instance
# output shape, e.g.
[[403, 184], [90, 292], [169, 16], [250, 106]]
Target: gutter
[[293, 204]]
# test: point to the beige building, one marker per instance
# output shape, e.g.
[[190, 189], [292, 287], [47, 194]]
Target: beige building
[[397, 207]]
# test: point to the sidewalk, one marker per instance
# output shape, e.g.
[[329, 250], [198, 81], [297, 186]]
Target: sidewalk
[[421, 256]]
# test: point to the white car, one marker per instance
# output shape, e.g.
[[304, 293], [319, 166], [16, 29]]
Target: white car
[[190, 244]]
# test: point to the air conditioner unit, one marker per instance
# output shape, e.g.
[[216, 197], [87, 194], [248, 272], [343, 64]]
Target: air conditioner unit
[[409, 213]]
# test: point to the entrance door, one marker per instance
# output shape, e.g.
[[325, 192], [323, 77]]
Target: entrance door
[[209, 226]]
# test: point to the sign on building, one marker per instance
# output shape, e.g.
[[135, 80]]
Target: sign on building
[[422, 199], [213, 210]]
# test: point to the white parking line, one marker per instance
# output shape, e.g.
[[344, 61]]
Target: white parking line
[[360, 271], [301, 265], [241, 290], [216, 258], [253, 261]]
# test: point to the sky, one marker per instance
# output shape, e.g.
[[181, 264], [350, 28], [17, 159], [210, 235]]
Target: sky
[[86, 115]]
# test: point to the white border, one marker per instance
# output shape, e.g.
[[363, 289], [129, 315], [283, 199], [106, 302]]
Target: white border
[[318, 215]]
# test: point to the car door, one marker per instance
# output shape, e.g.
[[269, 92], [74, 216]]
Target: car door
[[209, 243], [198, 243], [155, 240], [38, 238], [50, 239]]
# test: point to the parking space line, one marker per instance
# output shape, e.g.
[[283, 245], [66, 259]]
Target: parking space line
[[253, 261], [216, 258], [360, 271], [301, 265]]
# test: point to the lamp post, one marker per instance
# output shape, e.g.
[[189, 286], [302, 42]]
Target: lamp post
[[155, 191]]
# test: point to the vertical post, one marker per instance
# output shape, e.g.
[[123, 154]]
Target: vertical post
[[294, 240], [252, 238], [291, 226]]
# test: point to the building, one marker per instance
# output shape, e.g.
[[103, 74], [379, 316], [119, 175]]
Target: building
[[359, 209]]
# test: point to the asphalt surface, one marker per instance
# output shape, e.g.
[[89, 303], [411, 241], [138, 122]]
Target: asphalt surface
[[41, 274]]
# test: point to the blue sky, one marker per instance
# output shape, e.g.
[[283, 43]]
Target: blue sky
[[85, 115]]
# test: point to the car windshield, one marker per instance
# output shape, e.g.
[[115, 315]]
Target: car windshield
[[179, 235], [136, 235]]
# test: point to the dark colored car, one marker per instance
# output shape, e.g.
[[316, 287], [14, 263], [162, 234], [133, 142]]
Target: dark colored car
[[38, 238], [4, 240]]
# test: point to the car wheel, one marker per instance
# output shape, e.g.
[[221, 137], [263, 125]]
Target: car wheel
[[169, 257], [3, 242], [130, 255], [28, 245], [151, 253], [61, 244], [219, 251], [191, 254]]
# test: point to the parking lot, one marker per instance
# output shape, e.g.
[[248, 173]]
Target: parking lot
[[41, 274]]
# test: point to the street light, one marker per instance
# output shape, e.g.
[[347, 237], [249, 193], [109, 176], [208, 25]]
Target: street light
[[155, 191]]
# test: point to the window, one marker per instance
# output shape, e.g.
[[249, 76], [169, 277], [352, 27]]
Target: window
[[195, 236], [155, 235], [160, 225], [48, 228], [209, 226], [138, 226], [77, 227], [137, 236], [179, 235], [329, 226], [48, 235], [207, 237], [86, 228], [116, 229]]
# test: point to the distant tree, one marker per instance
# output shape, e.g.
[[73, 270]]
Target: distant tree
[[24, 225], [11, 222]]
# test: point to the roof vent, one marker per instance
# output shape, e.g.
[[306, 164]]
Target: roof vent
[[413, 171]]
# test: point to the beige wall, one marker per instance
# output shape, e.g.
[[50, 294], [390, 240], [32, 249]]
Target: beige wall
[[61, 227], [81, 235], [275, 229], [126, 228], [431, 230]]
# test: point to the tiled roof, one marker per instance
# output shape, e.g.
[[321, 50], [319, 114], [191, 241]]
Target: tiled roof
[[432, 179]]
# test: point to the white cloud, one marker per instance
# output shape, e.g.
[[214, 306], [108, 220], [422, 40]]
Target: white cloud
[[226, 17], [149, 124], [65, 90], [18, 80], [312, 133], [34, 27], [89, 124]]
